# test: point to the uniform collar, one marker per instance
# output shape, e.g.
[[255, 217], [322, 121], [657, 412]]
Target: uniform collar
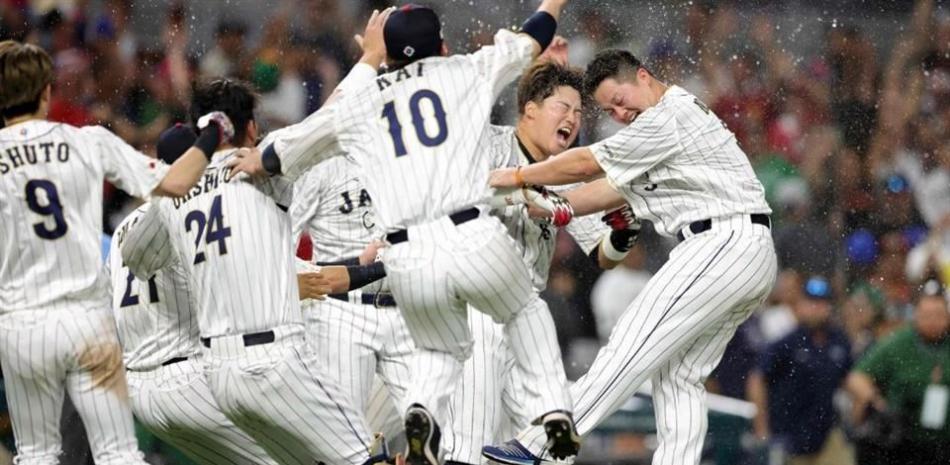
[[524, 150]]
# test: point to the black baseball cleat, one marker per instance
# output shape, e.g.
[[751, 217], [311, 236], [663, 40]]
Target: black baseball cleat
[[423, 436], [563, 440]]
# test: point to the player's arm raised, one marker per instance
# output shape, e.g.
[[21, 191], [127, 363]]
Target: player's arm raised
[[215, 129], [541, 28], [296, 148]]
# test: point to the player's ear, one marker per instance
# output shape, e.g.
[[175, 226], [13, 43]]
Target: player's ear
[[445, 50], [643, 75], [531, 109], [251, 133]]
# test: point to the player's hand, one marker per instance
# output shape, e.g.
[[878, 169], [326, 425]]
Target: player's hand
[[622, 219], [217, 120], [371, 252], [505, 177], [247, 160], [371, 42], [313, 285], [556, 52], [560, 211]]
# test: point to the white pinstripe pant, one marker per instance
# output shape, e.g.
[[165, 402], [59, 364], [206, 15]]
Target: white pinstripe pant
[[489, 401], [674, 334], [281, 397], [436, 274], [46, 354], [354, 343], [176, 404]]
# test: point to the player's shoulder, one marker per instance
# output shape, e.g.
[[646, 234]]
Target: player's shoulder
[[32, 129], [501, 132]]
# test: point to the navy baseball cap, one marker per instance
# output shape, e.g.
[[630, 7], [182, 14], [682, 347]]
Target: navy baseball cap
[[174, 142], [413, 32], [818, 288]]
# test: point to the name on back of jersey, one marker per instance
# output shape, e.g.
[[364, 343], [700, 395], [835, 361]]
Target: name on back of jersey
[[31, 154], [209, 182], [400, 75]]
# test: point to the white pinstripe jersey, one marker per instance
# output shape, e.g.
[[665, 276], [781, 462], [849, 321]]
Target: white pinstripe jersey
[[330, 202], [233, 239], [155, 318], [51, 178], [416, 133], [537, 237], [677, 163]]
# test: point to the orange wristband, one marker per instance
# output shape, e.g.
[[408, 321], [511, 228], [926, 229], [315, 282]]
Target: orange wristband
[[519, 178]]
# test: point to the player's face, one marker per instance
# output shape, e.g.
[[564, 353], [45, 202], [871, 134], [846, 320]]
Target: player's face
[[624, 100], [557, 121]]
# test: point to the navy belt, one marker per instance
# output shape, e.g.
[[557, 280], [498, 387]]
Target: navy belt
[[377, 300], [458, 218], [702, 226], [250, 339], [173, 361]]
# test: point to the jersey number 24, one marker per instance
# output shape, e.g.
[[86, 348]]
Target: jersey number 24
[[215, 231], [418, 121]]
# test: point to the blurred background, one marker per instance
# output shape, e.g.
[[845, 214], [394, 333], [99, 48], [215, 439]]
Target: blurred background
[[842, 107]]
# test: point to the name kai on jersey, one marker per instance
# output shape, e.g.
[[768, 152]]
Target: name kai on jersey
[[32, 154], [387, 80], [207, 183]]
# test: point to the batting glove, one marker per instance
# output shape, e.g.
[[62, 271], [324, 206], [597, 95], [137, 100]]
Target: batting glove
[[216, 129], [561, 210], [222, 123], [624, 231]]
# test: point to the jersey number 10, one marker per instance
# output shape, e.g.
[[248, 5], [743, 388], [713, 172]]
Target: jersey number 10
[[418, 121]]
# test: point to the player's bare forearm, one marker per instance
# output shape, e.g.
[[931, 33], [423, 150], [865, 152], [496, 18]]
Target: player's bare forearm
[[575, 165], [604, 262], [553, 7], [595, 196], [184, 173]]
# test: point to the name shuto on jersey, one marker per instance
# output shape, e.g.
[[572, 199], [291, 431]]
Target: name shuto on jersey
[[33, 154]]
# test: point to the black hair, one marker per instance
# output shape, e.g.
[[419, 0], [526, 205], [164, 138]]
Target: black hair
[[609, 64], [232, 96]]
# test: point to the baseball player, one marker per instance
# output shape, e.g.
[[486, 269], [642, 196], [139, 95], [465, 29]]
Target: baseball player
[[416, 133], [57, 333], [678, 166], [232, 237], [157, 329], [549, 103], [360, 334]]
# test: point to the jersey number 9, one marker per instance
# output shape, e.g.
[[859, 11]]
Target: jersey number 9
[[50, 207], [418, 121]]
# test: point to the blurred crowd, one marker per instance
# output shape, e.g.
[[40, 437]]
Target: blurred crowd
[[851, 141]]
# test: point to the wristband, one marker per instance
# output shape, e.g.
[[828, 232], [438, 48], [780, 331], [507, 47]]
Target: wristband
[[610, 251], [270, 161], [366, 274], [623, 240], [208, 140], [519, 177], [541, 26]]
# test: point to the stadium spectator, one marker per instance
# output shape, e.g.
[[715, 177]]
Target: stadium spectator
[[907, 375], [796, 381]]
